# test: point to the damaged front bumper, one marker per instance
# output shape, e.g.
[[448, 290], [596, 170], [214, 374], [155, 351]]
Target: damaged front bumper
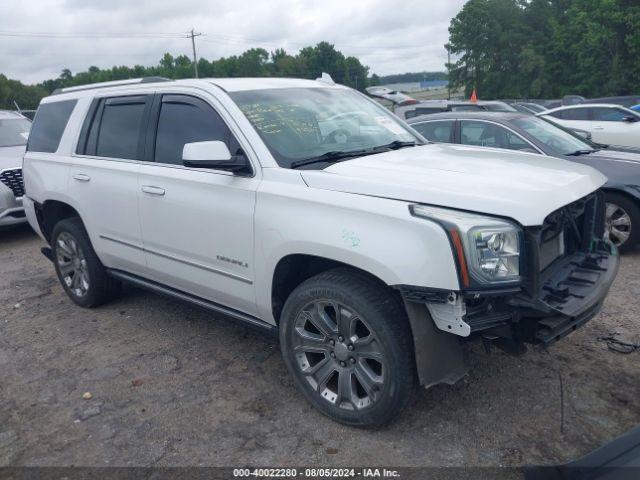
[[568, 270], [569, 293]]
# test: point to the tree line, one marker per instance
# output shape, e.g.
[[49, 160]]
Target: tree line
[[546, 48], [309, 62]]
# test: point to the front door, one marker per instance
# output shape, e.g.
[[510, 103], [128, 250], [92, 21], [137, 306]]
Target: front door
[[197, 224]]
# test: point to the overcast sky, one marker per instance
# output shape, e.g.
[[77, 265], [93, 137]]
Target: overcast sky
[[390, 36]]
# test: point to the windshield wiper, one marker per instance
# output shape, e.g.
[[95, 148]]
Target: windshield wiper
[[395, 145], [334, 156], [577, 153]]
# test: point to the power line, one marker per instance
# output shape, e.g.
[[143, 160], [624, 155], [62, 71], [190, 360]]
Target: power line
[[219, 39], [91, 35]]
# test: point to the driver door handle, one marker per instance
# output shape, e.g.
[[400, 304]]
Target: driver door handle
[[81, 177], [598, 128], [151, 190]]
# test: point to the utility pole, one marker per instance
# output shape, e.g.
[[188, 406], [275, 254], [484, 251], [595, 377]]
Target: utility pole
[[192, 35], [448, 47]]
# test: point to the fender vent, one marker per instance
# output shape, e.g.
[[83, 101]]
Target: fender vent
[[13, 179]]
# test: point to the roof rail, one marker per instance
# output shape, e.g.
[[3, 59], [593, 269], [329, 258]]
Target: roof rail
[[115, 83]]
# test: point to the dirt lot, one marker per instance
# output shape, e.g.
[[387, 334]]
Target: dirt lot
[[173, 386]]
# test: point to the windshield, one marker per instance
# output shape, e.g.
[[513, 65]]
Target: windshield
[[299, 124], [554, 137], [14, 132]]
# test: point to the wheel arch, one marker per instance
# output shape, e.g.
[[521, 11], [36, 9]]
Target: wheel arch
[[439, 356], [293, 269], [51, 212], [628, 192]]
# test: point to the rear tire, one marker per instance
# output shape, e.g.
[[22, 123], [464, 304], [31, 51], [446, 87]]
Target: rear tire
[[622, 221], [79, 269], [347, 342]]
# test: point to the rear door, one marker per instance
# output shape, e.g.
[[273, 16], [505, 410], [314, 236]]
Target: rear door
[[197, 224], [104, 178]]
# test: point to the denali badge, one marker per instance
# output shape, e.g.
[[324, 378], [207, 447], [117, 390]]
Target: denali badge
[[232, 260]]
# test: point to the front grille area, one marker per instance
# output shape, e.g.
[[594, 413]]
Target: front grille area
[[13, 179], [568, 230]]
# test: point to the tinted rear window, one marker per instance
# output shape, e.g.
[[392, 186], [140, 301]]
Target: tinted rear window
[[580, 114], [48, 126], [120, 130], [441, 131]]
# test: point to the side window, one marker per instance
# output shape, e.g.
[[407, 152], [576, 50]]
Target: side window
[[48, 126], [516, 142], [602, 114], [118, 133], [580, 114], [184, 119], [485, 134], [441, 131]]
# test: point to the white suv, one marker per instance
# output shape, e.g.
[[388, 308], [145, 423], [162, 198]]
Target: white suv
[[305, 209]]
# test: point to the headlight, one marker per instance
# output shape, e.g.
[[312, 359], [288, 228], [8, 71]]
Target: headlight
[[488, 247]]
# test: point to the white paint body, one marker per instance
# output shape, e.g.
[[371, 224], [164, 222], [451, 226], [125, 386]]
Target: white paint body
[[180, 226], [616, 133]]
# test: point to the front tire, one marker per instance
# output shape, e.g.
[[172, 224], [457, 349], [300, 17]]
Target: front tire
[[622, 222], [79, 269], [347, 342]]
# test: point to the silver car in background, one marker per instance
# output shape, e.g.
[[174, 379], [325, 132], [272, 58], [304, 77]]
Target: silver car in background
[[14, 131]]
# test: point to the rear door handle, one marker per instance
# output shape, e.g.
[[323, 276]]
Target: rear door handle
[[150, 189], [81, 177], [598, 128]]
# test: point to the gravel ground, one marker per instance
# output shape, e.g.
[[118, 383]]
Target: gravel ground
[[172, 386]]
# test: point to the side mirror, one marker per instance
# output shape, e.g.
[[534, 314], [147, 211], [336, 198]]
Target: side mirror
[[214, 155], [630, 119]]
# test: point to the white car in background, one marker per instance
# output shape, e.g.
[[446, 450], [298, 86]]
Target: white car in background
[[608, 123], [14, 131]]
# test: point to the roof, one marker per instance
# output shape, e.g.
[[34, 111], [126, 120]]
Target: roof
[[475, 114], [227, 84], [583, 105]]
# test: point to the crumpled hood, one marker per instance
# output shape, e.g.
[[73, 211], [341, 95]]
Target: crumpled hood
[[11, 157], [522, 186]]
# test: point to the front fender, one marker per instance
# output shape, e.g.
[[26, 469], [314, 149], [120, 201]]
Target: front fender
[[373, 234]]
